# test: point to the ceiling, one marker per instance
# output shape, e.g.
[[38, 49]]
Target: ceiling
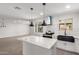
[[22, 10]]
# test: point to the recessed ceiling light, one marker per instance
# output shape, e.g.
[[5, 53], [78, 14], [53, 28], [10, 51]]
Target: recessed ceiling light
[[68, 6], [41, 13]]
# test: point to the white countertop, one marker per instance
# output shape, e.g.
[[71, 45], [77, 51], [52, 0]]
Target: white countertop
[[77, 37], [40, 41]]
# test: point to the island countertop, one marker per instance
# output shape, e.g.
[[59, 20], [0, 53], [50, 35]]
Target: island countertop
[[39, 41]]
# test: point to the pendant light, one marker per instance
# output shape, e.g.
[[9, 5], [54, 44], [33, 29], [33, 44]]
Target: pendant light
[[31, 23], [44, 24]]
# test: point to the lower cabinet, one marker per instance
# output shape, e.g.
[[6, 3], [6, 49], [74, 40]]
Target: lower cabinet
[[32, 49], [67, 46], [77, 45], [64, 52]]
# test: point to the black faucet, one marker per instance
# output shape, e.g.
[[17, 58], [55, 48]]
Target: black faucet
[[65, 32]]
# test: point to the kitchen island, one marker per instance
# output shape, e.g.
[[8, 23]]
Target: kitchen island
[[36, 45]]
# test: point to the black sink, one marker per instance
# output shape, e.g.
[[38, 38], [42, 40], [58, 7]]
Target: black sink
[[66, 38]]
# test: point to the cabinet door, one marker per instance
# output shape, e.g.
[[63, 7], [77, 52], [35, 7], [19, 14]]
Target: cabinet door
[[59, 52], [61, 44], [70, 46], [66, 45], [77, 45], [63, 52]]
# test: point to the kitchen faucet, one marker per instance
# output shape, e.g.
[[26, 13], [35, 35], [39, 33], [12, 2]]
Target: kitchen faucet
[[65, 32]]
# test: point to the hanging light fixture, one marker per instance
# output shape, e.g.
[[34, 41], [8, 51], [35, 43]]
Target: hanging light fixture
[[31, 24], [44, 24]]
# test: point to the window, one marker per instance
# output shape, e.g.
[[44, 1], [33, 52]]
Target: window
[[48, 20], [66, 24]]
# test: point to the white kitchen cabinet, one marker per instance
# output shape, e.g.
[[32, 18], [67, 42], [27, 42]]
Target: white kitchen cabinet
[[31, 49], [77, 45], [63, 52], [69, 46], [60, 44]]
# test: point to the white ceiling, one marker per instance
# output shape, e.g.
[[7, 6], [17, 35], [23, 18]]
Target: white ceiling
[[8, 9]]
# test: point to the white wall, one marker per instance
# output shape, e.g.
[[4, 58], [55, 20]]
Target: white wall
[[14, 28]]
